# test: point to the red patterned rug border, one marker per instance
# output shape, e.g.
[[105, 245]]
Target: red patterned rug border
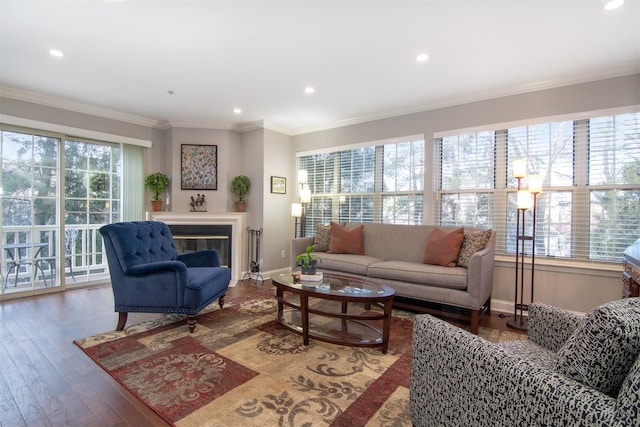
[[133, 393]]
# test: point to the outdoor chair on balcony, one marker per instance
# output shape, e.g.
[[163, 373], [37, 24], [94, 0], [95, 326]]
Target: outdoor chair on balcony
[[148, 275], [70, 237]]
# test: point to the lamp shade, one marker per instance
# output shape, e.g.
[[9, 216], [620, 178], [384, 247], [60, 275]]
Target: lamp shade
[[296, 210], [519, 168], [524, 199], [303, 176], [305, 194], [535, 184]]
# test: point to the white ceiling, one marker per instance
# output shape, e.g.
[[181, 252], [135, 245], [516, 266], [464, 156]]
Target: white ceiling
[[123, 57]]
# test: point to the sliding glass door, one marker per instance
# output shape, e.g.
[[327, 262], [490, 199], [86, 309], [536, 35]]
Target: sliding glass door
[[30, 213], [53, 199]]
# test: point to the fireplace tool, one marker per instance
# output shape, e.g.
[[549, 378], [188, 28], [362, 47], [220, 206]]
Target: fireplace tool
[[255, 264]]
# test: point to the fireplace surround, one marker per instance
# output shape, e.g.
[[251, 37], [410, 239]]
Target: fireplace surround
[[210, 226]]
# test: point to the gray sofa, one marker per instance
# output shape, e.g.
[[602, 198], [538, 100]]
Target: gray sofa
[[393, 255], [570, 371]]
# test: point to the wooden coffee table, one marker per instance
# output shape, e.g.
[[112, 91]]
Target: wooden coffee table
[[339, 310]]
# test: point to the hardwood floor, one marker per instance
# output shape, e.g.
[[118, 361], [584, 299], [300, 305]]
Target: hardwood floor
[[45, 380]]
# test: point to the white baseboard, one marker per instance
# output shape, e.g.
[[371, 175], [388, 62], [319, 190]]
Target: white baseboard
[[502, 306]]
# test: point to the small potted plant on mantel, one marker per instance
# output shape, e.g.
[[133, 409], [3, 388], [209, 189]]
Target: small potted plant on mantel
[[240, 187], [156, 182], [307, 261]]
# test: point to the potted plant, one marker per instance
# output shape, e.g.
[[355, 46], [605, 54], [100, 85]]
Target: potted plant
[[307, 261], [156, 182], [240, 187]]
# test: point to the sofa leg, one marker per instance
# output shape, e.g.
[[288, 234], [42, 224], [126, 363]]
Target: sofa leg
[[475, 320], [122, 320], [221, 300], [191, 322]]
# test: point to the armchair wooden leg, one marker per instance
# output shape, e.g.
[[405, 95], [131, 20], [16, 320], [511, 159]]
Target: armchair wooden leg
[[191, 322], [122, 319], [221, 300]]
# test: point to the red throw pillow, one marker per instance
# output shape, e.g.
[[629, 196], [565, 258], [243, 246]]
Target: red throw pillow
[[443, 248], [346, 241]]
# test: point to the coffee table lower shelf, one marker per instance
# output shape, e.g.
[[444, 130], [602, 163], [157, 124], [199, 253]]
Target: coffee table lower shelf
[[339, 310], [349, 332]]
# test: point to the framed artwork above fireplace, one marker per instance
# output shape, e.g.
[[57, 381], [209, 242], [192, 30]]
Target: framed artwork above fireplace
[[199, 167]]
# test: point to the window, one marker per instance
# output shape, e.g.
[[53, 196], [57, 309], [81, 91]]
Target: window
[[381, 182], [590, 168]]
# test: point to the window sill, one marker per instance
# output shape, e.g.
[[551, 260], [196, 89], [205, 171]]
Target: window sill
[[564, 266]]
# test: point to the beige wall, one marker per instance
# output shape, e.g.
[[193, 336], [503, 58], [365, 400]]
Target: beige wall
[[277, 220], [229, 165], [263, 153]]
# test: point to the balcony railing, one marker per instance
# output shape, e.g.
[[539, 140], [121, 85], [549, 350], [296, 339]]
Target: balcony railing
[[32, 256]]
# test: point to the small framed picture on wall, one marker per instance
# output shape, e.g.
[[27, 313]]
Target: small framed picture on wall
[[278, 185]]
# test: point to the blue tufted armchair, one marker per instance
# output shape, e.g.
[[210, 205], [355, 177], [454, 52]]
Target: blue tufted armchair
[[148, 275]]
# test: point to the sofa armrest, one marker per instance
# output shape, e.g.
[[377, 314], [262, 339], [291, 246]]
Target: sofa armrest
[[480, 272], [299, 246], [461, 379], [550, 327]]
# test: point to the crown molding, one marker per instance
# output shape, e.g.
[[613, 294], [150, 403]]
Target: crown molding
[[235, 127], [75, 106]]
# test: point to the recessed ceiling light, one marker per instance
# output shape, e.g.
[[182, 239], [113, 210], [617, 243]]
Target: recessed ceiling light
[[309, 89], [422, 57], [613, 4], [237, 110], [57, 53]]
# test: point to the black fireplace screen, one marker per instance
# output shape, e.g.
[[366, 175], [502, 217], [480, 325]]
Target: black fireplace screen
[[191, 238]]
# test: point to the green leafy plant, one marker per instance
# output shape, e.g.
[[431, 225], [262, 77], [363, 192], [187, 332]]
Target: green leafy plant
[[304, 260], [156, 182], [240, 186]]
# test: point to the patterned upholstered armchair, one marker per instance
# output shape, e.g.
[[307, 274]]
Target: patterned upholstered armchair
[[572, 370], [148, 275]]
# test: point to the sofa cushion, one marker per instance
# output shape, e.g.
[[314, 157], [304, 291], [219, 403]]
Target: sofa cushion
[[432, 275], [443, 248], [347, 263], [322, 237], [603, 348], [474, 241], [394, 241], [346, 241]]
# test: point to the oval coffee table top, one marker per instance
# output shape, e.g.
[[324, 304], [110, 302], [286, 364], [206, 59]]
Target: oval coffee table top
[[334, 286]]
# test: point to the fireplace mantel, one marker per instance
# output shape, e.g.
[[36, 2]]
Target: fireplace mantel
[[237, 221]]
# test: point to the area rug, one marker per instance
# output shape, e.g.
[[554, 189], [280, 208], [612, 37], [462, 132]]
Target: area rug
[[242, 368]]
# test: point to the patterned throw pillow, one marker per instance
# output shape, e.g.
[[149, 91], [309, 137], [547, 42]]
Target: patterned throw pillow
[[603, 348], [443, 248], [323, 235], [346, 240], [474, 241]]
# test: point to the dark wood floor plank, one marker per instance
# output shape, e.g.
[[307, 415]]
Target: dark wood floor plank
[[18, 386], [9, 413]]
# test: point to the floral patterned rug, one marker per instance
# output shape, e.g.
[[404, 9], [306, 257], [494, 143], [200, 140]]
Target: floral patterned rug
[[242, 368]]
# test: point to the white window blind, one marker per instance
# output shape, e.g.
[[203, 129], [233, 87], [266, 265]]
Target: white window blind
[[614, 184], [589, 208], [382, 182]]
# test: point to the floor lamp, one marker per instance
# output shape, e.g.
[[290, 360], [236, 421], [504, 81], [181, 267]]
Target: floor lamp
[[296, 212], [299, 210], [524, 203]]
